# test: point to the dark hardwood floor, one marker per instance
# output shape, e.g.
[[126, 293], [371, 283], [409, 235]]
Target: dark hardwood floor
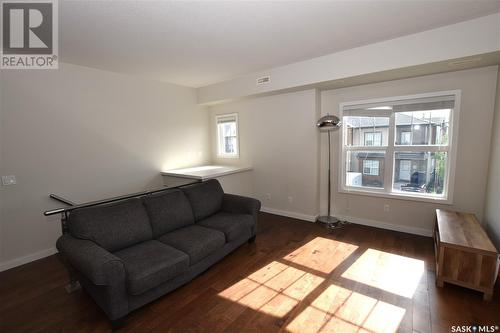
[[297, 277]]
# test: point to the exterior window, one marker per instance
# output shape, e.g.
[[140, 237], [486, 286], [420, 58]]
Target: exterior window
[[401, 146], [405, 138], [373, 138], [227, 135], [370, 167]]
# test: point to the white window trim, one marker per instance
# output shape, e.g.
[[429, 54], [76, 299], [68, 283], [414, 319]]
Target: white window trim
[[386, 192], [221, 154]]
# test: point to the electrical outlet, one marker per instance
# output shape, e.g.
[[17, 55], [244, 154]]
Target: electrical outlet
[[9, 180], [290, 199], [268, 196], [387, 208]]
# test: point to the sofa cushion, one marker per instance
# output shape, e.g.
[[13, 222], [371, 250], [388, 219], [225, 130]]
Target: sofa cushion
[[113, 226], [232, 225], [168, 211], [197, 241], [151, 263], [205, 198]]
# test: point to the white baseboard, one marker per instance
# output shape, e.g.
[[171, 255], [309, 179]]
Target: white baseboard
[[385, 225], [355, 220], [299, 216], [26, 259]]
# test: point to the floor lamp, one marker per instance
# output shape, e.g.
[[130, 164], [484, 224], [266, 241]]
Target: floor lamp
[[329, 124]]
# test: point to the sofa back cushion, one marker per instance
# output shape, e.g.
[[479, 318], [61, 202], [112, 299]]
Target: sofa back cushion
[[113, 226], [205, 198], [168, 211]]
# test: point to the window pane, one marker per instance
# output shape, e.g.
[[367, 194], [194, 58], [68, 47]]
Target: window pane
[[365, 169], [428, 127], [420, 172], [366, 131], [230, 144], [227, 138]]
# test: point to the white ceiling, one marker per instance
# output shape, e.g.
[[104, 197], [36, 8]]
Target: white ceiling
[[199, 43]]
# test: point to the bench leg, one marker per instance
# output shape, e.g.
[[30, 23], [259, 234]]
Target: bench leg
[[251, 240]]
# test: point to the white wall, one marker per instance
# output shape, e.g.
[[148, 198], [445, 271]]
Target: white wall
[[278, 138], [469, 38], [86, 134], [492, 210], [478, 96]]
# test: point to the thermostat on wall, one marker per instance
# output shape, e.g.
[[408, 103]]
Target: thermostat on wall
[[9, 180]]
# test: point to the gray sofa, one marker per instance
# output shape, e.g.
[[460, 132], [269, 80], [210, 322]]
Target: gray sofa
[[129, 253]]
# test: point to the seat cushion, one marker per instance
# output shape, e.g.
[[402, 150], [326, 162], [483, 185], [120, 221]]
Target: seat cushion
[[197, 241], [113, 226], [151, 263], [168, 211], [232, 225], [205, 198]]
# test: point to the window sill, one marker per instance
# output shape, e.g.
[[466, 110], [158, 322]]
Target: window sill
[[399, 196], [228, 156]]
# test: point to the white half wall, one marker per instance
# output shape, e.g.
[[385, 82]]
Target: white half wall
[[278, 138], [86, 134], [492, 210], [464, 39], [476, 116]]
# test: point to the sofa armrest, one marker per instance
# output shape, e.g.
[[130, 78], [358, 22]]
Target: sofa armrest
[[97, 264], [238, 204]]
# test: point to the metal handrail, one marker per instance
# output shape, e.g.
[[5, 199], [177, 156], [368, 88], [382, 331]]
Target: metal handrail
[[74, 206], [61, 199]]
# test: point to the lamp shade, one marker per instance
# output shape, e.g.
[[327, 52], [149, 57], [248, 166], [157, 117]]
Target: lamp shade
[[329, 123]]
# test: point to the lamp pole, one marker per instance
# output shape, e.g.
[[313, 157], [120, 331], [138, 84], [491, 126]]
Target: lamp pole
[[329, 173], [329, 123]]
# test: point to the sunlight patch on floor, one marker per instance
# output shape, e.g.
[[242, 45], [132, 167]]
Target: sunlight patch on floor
[[339, 309], [321, 254], [297, 289], [274, 289], [386, 271]]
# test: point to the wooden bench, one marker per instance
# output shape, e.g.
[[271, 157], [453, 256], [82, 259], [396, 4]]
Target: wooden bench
[[465, 255]]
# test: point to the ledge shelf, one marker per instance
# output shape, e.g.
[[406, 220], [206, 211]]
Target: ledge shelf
[[205, 172]]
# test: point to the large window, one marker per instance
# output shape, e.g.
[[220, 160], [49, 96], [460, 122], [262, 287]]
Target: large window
[[227, 135], [401, 146]]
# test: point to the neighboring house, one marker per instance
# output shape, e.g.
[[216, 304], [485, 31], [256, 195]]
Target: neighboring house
[[410, 130]]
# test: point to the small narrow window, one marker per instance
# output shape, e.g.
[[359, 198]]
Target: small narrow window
[[227, 135]]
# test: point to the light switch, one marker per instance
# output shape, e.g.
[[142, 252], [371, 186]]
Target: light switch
[[9, 180]]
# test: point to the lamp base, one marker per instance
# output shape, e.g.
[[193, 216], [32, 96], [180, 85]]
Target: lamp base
[[331, 222], [327, 219]]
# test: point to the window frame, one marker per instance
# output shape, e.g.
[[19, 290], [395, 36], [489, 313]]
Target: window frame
[[391, 148], [221, 154]]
